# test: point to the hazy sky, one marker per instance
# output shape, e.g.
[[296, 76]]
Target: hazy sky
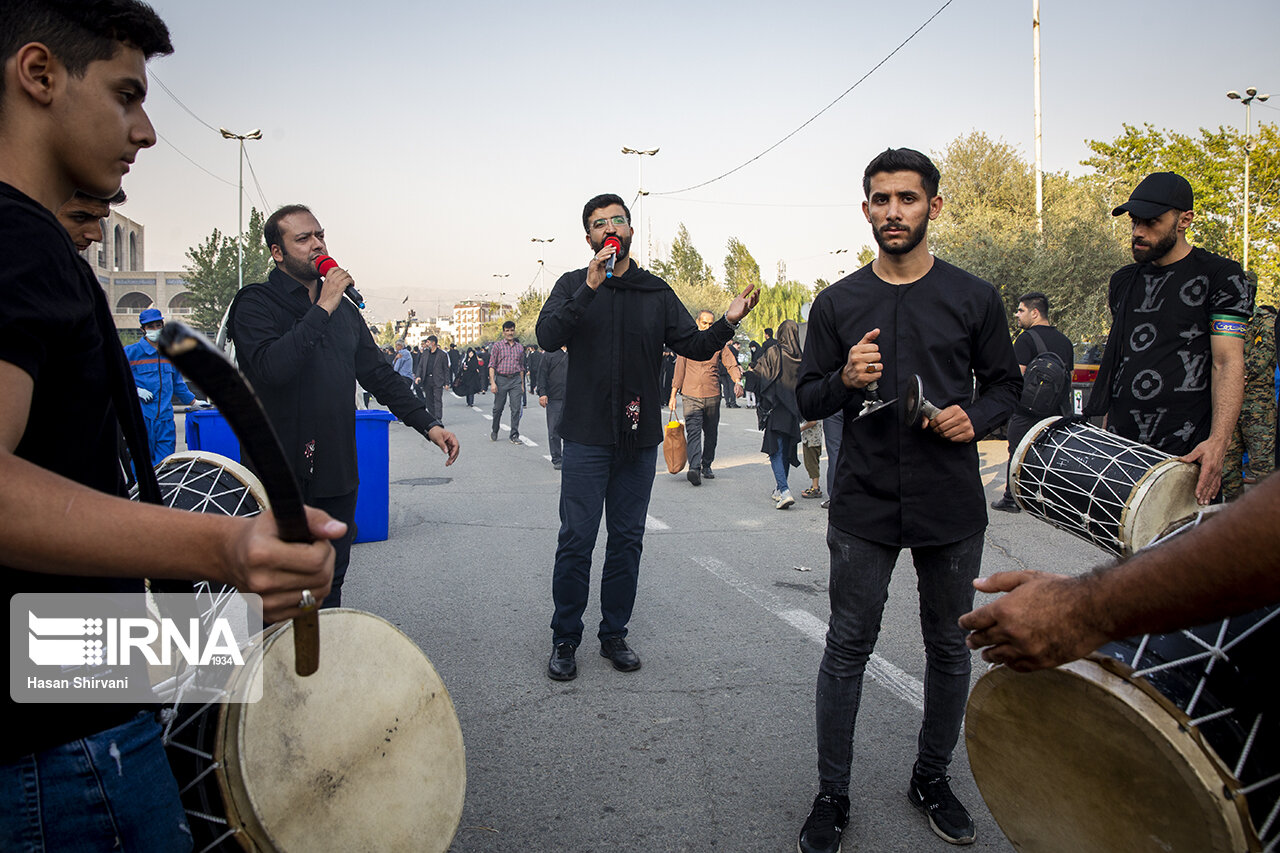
[[434, 140]]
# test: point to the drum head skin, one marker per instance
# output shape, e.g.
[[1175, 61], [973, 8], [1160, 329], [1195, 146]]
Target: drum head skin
[[1077, 758], [366, 754]]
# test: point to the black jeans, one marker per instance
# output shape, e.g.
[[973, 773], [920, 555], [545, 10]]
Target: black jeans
[[343, 508], [1017, 429], [701, 418], [860, 572]]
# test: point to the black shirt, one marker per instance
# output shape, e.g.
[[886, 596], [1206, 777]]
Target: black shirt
[[582, 318], [1024, 349], [304, 365], [895, 484], [553, 370], [1161, 392], [48, 329]]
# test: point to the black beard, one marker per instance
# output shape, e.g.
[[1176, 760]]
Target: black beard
[[914, 236], [302, 270], [1161, 248], [622, 253]]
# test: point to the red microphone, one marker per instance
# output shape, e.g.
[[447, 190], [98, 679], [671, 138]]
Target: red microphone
[[617, 247], [324, 264]]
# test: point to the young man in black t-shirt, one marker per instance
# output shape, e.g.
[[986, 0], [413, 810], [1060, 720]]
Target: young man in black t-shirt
[[1033, 317], [71, 118], [1172, 375]]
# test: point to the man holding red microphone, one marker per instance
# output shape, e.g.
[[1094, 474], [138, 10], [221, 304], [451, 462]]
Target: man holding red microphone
[[304, 346]]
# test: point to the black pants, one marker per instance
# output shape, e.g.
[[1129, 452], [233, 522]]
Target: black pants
[[343, 508], [1019, 423]]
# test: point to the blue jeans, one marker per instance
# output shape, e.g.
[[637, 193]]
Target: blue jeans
[[594, 480], [702, 418], [109, 791], [833, 433], [510, 387], [778, 462], [860, 572]]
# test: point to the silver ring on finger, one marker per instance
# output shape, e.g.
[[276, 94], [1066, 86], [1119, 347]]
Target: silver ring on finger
[[308, 600]]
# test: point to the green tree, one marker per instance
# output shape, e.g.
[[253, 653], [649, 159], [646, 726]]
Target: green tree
[[685, 266], [865, 256], [212, 272], [528, 307], [740, 269], [777, 303], [988, 227]]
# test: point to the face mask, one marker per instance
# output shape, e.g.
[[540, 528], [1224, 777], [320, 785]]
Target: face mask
[[153, 335]]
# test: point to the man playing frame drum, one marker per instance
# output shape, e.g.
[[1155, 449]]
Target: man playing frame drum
[[903, 485], [1219, 569], [71, 117]]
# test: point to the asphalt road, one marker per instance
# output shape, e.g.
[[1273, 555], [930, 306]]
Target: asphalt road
[[710, 746]]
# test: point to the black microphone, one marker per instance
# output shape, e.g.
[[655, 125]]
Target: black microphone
[[617, 247], [324, 263]]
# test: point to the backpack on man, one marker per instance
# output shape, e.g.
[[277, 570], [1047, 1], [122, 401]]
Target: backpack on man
[[1044, 382]]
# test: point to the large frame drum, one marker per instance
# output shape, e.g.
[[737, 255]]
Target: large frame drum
[[1164, 742], [365, 754], [1105, 489]]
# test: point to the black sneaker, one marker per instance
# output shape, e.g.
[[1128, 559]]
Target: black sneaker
[[707, 475], [1006, 504], [694, 477], [827, 819], [617, 650], [493, 436], [515, 439], [562, 666], [947, 817]]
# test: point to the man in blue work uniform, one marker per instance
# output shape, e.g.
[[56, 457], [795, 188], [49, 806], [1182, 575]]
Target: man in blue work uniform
[[158, 383]]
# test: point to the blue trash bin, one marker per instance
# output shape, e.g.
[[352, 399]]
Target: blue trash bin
[[373, 456], [207, 430]]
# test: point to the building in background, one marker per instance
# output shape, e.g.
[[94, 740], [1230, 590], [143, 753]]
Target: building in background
[[118, 262], [470, 315]]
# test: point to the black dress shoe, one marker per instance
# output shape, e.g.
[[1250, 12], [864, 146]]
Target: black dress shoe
[[617, 650], [1006, 504], [562, 666], [694, 477], [707, 475]]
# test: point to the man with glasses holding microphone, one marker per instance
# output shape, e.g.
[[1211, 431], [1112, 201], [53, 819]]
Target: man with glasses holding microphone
[[614, 317]]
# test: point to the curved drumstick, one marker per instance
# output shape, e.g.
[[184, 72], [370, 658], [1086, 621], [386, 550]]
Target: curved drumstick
[[193, 354]]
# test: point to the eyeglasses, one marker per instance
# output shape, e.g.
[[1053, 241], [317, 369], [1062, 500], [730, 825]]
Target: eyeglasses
[[618, 221]]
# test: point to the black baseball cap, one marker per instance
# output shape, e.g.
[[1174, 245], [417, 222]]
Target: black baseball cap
[[1158, 192]]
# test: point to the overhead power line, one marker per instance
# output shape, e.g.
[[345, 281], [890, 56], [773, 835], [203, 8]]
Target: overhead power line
[[178, 101], [193, 162], [819, 112]]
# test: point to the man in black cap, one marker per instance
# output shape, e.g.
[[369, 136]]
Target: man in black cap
[[1172, 375]]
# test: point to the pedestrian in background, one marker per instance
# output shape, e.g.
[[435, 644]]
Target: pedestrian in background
[[778, 369], [811, 440], [159, 382]]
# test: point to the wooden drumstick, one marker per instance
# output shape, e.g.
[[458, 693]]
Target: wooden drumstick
[[226, 386]]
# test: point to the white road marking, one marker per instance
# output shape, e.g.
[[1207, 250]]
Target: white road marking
[[651, 523], [906, 687]]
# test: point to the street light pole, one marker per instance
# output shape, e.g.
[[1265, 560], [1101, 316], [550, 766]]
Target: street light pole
[[253, 134], [1247, 100], [640, 180], [1035, 61], [542, 259]]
